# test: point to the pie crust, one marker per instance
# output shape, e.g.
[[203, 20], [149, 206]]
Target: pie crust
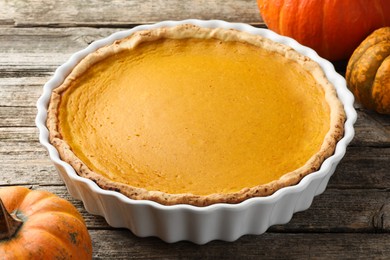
[[335, 132]]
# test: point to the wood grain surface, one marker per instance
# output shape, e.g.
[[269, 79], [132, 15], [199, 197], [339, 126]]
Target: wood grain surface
[[350, 220], [118, 13]]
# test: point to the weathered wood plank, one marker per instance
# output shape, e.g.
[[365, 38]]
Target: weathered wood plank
[[30, 65], [122, 13], [343, 211], [19, 134], [54, 41], [121, 244], [21, 92], [372, 129], [17, 116], [37, 52], [31, 172], [381, 119], [21, 151], [363, 167]]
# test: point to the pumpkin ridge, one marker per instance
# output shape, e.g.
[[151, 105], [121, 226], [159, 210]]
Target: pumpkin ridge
[[58, 241], [376, 37], [72, 222], [379, 93], [17, 201], [280, 18], [33, 197], [368, 71], [325, 48], [372, 103], [365, 70], [8, 252], [43, 204], [67, 214], [373, 39], [40, 199]]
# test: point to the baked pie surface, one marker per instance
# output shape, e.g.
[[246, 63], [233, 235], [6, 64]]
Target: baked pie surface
[[195, 115]]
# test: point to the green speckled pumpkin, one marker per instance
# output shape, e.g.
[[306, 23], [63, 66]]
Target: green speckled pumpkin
[[368, 71]]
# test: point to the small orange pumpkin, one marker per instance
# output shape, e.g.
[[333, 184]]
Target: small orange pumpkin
[[40, 226], [333, 28], [368, 71]]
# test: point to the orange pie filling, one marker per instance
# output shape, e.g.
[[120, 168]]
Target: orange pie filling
[[194, 116]]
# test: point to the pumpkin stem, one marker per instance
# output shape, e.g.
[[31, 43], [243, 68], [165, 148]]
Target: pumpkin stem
[[8, 223]]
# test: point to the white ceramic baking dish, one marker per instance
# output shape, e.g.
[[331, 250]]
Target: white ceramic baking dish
[[185, 222]]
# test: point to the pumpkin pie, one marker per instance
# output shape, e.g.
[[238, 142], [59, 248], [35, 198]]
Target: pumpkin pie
[[192, 115]]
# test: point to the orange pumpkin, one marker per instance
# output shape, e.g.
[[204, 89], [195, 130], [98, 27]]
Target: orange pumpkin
[[40, 226], [333, 28], [368, 71]]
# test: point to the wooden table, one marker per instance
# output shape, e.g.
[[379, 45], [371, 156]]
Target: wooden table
[[350, 220]]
